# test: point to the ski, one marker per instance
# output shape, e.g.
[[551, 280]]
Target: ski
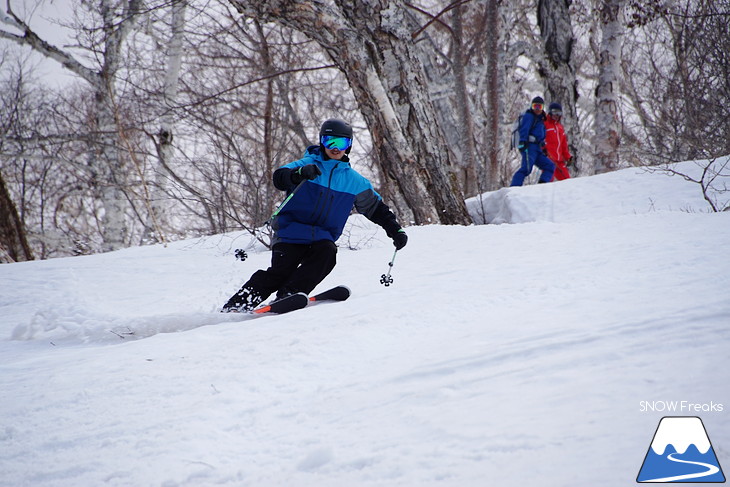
[[285, 305], [337, 293], [300, 300]]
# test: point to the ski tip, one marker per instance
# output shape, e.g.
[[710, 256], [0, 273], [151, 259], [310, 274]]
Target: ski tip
[[337, 293], [263, 309]]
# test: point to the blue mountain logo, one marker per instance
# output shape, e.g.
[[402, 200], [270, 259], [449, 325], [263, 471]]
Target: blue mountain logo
[[680, 452]]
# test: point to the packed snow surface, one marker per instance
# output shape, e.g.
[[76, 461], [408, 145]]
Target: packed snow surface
[[542, 351]]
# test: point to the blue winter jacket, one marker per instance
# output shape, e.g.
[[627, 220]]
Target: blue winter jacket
[[533, 125], [320, 208]]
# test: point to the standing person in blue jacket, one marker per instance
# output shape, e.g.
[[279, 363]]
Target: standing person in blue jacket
[[307, 226], [532, 145]]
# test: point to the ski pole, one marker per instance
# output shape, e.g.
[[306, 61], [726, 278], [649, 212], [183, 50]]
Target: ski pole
[[386, 280]]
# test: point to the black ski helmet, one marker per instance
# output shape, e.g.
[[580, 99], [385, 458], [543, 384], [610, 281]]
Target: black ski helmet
[[555, 106], [336, 127]]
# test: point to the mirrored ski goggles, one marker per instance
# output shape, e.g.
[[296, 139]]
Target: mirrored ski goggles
[[557, 113], [537, 106], [334, 142]]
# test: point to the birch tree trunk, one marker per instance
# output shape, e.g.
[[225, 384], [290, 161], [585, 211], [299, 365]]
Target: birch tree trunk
[[105, 163], [371, 43], [158, 218], [556, 30], [607, 138]]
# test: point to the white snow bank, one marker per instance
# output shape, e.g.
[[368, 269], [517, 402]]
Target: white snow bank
[[628, 191]]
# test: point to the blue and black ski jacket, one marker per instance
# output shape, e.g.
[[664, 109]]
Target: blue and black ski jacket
[[532, 128], [320, 208]]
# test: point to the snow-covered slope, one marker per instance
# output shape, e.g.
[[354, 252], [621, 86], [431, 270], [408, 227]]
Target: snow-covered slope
[[511, 355], [626, 192]]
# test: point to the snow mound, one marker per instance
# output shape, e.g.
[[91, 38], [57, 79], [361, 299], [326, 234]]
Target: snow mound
[[624, 192]]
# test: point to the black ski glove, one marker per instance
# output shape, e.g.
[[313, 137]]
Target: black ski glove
[[400, 239], [310, 171], [522, 146]]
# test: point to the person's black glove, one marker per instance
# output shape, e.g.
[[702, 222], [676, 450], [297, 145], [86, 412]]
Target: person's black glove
[[310, 171], [400, 239], [522, 146]]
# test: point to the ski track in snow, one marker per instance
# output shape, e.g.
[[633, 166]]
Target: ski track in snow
[[508, 355]]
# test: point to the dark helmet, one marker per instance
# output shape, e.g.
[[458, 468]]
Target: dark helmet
[[336, 127], [555, 106], [538, 99]]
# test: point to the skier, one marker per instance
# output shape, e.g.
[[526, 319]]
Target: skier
[[532, 145], [323, 189], [556, 142]]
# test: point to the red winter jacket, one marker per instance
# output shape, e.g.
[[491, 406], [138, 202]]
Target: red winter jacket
[[555, 141]]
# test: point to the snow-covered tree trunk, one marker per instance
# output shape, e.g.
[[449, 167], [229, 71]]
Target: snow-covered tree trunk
[[607, 128], [556, 30], [371, 43], [158, 218]]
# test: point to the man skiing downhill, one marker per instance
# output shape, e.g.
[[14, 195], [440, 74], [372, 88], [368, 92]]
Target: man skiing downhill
[[323, 189]]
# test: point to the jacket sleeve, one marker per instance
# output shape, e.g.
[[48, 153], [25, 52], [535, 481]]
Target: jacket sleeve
[[385, 218], [286, 178], [283, 179], [526, 125], [566, 150]]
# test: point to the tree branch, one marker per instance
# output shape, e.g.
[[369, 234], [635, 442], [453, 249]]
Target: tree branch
[[30, 38]]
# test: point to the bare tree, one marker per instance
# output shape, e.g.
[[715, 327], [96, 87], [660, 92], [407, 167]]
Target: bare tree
[[36, 178], [556, 30], [677, 83], [13, 242], [712, 179], [465, 131], [460, 55], [106, 163], [607, 127], [494, 77], [158, 218]]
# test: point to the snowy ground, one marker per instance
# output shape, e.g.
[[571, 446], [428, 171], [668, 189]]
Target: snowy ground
[[521, 354]]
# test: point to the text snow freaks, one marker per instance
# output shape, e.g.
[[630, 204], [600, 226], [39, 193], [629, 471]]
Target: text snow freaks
[[679, 407]]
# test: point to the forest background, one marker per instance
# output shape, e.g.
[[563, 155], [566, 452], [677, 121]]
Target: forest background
[[173, 114]]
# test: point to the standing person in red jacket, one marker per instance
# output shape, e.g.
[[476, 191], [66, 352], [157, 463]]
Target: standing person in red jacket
[[556, 142]]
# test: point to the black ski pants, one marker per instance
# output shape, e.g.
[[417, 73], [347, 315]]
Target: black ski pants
[[294, 268]]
